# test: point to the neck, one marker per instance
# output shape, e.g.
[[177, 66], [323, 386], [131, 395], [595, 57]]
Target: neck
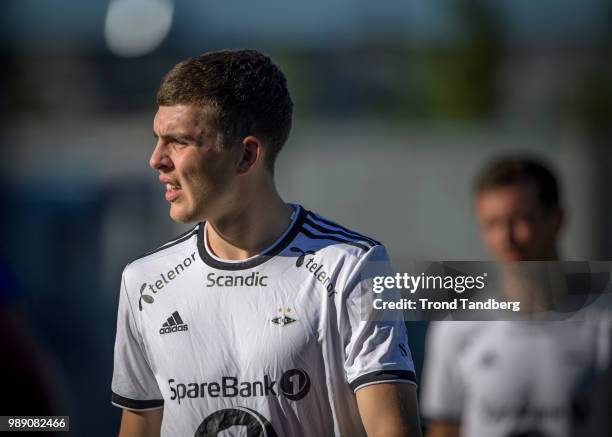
[[250, 227], [536, 284]]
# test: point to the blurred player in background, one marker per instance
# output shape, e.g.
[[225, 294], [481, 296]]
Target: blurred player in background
[[519, 211], [249, 324], [517, 379]]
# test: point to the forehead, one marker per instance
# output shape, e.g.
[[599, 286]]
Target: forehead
[[180, 118], [517, 197]]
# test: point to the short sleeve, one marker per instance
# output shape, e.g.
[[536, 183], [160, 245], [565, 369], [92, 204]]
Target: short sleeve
[[375, 344], [442, 392], [133, 386]]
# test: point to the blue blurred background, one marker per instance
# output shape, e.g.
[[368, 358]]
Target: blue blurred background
[[397, 105]]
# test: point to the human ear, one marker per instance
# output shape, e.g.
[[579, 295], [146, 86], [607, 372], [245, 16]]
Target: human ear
[[250, 152]]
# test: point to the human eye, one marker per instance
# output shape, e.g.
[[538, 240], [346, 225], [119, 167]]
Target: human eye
[[179, 142]]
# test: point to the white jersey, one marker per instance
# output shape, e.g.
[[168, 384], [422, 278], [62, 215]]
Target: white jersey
[[508, 379], [274, 345]]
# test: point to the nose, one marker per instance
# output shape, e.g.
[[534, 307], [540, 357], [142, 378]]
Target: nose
[[509, 234], [160, 160]]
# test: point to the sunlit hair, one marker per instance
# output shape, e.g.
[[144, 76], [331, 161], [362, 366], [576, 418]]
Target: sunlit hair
[[243, 92]]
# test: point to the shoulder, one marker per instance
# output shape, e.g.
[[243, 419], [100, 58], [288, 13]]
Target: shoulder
[[181, 248], [318, 233], [344, 255]]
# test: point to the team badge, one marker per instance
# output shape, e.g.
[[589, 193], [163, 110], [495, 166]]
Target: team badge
[[284, 318]]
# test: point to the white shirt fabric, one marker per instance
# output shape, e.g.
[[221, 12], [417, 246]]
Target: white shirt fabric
[[511, 379], [270, 346]]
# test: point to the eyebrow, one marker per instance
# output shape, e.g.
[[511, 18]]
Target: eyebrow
[[175, 136]]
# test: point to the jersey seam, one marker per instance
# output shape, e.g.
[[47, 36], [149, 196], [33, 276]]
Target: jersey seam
[[385, 381], [406, 375], [125, 402]]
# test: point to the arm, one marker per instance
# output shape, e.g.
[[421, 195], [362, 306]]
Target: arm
[[389, 410], [141, 423], [134, 387], [443, 428], [377, 359]]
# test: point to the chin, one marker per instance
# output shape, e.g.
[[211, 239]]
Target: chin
[[182, 215]]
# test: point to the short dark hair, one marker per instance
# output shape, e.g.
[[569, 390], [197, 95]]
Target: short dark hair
[[511, 170], [245, 91]]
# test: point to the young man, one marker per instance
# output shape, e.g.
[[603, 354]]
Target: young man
[[513, 379], [518, 208], [250, 323]]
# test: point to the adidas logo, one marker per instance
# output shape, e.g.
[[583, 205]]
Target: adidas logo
[[174, 324]]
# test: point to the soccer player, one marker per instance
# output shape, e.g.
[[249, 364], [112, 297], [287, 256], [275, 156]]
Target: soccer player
[[250, 322], [517, 379], [519, 210]]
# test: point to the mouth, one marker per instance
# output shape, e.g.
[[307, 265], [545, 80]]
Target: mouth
[[513, 256], [173, 191]]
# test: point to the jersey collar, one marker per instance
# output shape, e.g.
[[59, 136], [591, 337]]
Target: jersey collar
[[256, 260]]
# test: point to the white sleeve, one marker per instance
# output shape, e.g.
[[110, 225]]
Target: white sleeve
[[442, 392], [375, 344], [133, 386]]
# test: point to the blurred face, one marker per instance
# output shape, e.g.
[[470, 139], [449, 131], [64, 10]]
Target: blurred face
[[198, 177], [514, 226]]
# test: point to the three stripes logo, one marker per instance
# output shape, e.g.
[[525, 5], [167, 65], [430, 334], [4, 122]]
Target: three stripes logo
[[173, 324]]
